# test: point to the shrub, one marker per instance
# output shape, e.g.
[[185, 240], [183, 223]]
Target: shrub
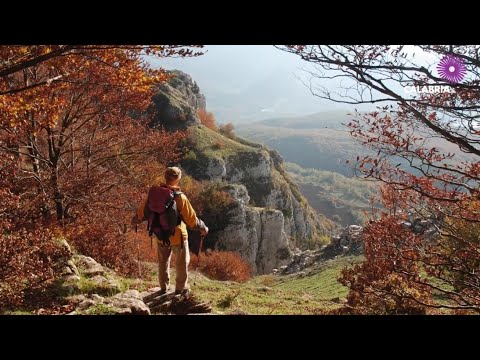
[[207, 119], [211, 203], [222, 265], [29, 257], [219, 144], [287, 213], [28, 264], [227, 130]]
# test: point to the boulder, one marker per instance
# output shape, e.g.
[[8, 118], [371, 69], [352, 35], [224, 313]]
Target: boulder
[[129, 302], [175, 103], [89, 266]]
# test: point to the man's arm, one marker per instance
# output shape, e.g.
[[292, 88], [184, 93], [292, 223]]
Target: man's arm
[[190, 217]]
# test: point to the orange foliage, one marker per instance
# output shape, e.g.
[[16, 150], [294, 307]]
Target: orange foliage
[[219, 144], [424, 149], [29, 257], [389, 281], [207, 119], [17, 59], [221, 265], [75, 155]]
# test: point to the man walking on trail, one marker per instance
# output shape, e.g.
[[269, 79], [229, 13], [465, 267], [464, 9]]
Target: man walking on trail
[[176, 239]]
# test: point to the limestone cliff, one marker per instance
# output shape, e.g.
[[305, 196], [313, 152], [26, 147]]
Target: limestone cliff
[[261, 171], [255, 232], [176, 102]]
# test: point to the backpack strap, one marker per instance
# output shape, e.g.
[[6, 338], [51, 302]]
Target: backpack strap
[[175, 194]]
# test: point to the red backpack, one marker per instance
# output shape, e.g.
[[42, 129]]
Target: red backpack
[[162, 212]]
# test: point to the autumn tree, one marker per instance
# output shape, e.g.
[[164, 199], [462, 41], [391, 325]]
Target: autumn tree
[[426, 136], [14, 59], [74, 136]]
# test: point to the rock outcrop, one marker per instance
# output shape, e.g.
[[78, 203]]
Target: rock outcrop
[[428, 228], [256, 233], [349, 242], [261, 171], [176, 102], [126, 303], [300, 261]]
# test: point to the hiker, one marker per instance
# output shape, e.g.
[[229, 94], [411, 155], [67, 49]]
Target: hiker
[[177, 239]]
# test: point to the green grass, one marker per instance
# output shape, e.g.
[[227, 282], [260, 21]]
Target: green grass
[[136, 284], [17, 312], [100, 309], [274, 294], [315, 290], [247, 142], [271, 294], [88, 286], [206, 140]]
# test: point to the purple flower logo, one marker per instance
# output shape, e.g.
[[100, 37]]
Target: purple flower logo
[[451, 68]]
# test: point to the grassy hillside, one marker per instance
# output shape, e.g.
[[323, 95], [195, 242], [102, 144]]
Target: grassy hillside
[[305, 293], [340, 198], [212, 144]]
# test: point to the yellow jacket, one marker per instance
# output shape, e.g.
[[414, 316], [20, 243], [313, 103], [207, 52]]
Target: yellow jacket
[[188, 215]]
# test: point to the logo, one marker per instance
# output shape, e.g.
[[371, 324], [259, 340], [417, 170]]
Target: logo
[[451, 69], [428, 89]]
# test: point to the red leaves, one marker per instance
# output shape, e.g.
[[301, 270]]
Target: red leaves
[[222, 265], [380, 285], [207, 119], [77, 154]]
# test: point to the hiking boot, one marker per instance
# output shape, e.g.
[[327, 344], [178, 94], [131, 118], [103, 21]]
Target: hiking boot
[[162, 292], [184, 292]]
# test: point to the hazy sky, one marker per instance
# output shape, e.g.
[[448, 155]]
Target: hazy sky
[[250, 82], [244, 83]]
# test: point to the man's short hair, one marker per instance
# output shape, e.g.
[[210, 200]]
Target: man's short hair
[[173, 173]]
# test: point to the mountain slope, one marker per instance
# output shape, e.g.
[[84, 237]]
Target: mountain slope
[[340, 198]]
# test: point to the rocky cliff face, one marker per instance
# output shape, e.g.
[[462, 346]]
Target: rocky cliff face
[[175, 103], [255, 232], [261, 171]]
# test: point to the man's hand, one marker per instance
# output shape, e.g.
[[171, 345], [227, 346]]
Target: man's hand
[[204, 231]]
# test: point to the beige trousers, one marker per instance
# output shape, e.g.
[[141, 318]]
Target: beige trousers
[[182, 259]]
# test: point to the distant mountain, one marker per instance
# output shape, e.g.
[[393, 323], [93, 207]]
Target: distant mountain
[[321, 141], [327, 120], [317, 141], [340, 198]]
